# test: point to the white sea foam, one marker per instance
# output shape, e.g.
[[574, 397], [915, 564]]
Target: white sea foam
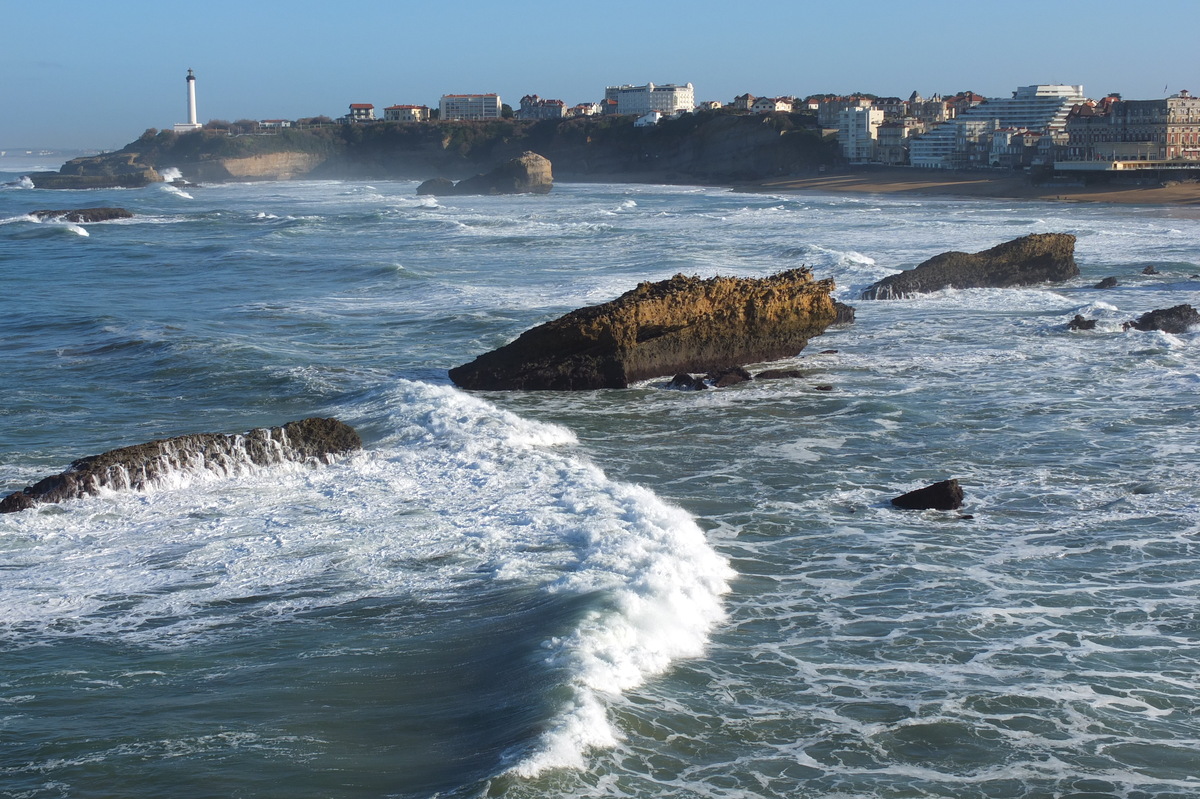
[[178, 192], [469, 491]]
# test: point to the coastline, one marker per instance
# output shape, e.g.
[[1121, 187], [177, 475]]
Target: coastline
[[928, 182]]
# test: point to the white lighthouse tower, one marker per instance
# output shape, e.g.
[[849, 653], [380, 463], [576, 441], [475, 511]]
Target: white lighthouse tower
[[191, 124]]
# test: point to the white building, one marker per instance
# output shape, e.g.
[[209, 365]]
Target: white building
[[669, 98], [771, 105], [858, 129], [360, 112], [1040, 108], [648, 120], [469, 106]]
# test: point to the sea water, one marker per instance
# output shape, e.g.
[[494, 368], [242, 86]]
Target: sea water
[[634, 593]]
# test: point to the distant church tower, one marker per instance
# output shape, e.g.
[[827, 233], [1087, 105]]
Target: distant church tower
[[191, 124]]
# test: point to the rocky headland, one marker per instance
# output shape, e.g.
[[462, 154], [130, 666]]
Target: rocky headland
[[684, 324], [143, 465], [704, 147], [1029, 260]]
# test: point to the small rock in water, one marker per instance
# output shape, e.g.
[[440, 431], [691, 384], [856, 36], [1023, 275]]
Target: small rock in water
[[778, 374], [1079, 323], [729, 377], [946, 495], [685, 382], [1107, 283], [1150, 270]]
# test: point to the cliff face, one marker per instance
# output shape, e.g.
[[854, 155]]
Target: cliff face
[[267, 166], [685, 324]]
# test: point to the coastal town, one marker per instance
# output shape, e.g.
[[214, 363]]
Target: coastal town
[[1039, 126]]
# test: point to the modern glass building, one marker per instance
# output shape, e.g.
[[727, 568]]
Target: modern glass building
[[1041, 108]]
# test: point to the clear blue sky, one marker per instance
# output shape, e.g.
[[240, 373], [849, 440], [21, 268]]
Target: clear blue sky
[[88, 74]]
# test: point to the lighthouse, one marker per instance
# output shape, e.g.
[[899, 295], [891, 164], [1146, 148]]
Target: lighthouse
[[191, 124]]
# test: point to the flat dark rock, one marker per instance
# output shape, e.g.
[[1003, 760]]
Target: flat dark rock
[[1029, 260], [83, 215], [141, 465], [1179, 319]]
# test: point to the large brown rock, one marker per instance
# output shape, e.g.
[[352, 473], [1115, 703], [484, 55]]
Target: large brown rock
[[685, 324], [142, 465], [1029, 260], [529, 173]]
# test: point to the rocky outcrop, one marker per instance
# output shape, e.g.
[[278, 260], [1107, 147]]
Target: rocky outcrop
[[529, 173], [436, 187], [1029, 260], [122, 170], [1179, 319], [946, 495], [83, 215], [685, 324], [143, 465]]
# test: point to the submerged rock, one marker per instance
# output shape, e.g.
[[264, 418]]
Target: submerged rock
[[83, 215], [946, 495], [142, 465], [1179, 319], [723, 378], [779, 374], [529, 173], [685, 324], [1038, 258], [1107, 283]]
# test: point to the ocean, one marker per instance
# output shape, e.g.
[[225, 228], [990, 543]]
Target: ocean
[[621, 593]]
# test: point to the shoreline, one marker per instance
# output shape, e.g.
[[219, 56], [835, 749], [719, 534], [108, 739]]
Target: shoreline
[[929, 182]]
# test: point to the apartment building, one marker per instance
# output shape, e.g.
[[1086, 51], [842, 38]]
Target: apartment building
[[1041, 108], [469, 106]]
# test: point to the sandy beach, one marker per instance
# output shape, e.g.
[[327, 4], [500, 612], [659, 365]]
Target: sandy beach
[[976, 185]]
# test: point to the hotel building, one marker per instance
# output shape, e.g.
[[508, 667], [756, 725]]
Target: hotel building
[[668, 98]]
